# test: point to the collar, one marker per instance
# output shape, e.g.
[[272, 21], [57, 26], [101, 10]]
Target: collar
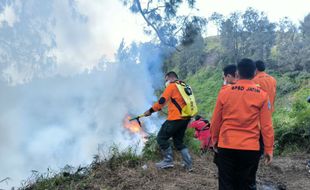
[[244, 81], [261, 73]]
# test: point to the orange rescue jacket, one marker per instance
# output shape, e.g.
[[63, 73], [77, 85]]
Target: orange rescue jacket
[[173, 98], [267, 83], [239, 110]]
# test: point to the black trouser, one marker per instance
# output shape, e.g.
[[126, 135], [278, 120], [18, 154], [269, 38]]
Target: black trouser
[[175, 129], [235, 167], [215, 159], [252, 177], [261, 144]]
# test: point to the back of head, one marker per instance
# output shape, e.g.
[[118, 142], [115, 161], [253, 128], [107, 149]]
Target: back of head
[[230, 69], [260, 65], [246, 69], [172, 74]]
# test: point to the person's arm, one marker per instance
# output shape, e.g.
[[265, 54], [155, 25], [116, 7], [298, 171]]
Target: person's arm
[[275, 93], [267, 129], [162, 100], [216, 121]]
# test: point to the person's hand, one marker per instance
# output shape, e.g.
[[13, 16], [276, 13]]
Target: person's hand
[[268, 158], [147, 113]]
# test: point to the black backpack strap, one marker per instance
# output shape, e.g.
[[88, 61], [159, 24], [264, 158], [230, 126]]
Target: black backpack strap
[[206, 127], [176, 105], [206, 121]]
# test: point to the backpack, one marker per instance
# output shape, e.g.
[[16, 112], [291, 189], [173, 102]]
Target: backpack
[[190, 109]]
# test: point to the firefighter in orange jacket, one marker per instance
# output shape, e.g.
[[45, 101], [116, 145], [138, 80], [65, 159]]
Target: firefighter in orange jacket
[[174, 126], [235, 130], [229, 78], [269, 85], [266, 82]]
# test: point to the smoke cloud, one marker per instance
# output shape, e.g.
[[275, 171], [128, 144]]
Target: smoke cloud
[[60, 97]]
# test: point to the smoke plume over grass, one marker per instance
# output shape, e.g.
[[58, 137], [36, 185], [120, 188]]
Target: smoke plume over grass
[[61, 101]]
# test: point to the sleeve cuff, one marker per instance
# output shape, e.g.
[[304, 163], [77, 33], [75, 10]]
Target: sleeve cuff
[[214, 140], [268, 150], [151, 110]]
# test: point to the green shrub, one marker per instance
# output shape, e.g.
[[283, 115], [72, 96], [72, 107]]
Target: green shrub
[[206, 84], [292, 126], [285, 85], [192, 143], [128, 157], [65, 179], [151, 149]]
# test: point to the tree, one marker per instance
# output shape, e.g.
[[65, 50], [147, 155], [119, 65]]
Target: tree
[[230, 31], [292, 46], [250, 34], [305, 27], [217, 19], [258, 35], [288, 46], [189, 61], [162, 18], [25, 46], [305, 54]]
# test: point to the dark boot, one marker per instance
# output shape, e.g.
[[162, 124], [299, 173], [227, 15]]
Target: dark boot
[[187, 159], [167, 162]]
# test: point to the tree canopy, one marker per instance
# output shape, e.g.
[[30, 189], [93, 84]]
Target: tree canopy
[[164, 19]]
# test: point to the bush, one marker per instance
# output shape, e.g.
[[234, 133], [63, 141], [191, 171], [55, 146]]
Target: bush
[[285, 85], [81, 178], [151, 149], [292, 127], [206, 84], [192, 143], [65, 179], [128, 158]]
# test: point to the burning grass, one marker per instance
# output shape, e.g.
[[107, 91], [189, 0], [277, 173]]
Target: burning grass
[[101, 168], [135, 127], [132, 126], [103, 172]]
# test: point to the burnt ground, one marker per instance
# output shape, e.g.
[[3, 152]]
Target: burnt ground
[[284, 173]]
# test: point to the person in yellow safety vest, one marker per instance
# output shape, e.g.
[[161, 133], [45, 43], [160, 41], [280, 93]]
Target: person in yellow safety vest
[[175, 125]]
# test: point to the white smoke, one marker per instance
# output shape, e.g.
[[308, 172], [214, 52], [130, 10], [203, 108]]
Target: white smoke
[[62, 36], [59, 99]]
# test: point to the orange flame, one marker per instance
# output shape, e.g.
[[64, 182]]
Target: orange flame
[[135, 128], [132, 126]]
